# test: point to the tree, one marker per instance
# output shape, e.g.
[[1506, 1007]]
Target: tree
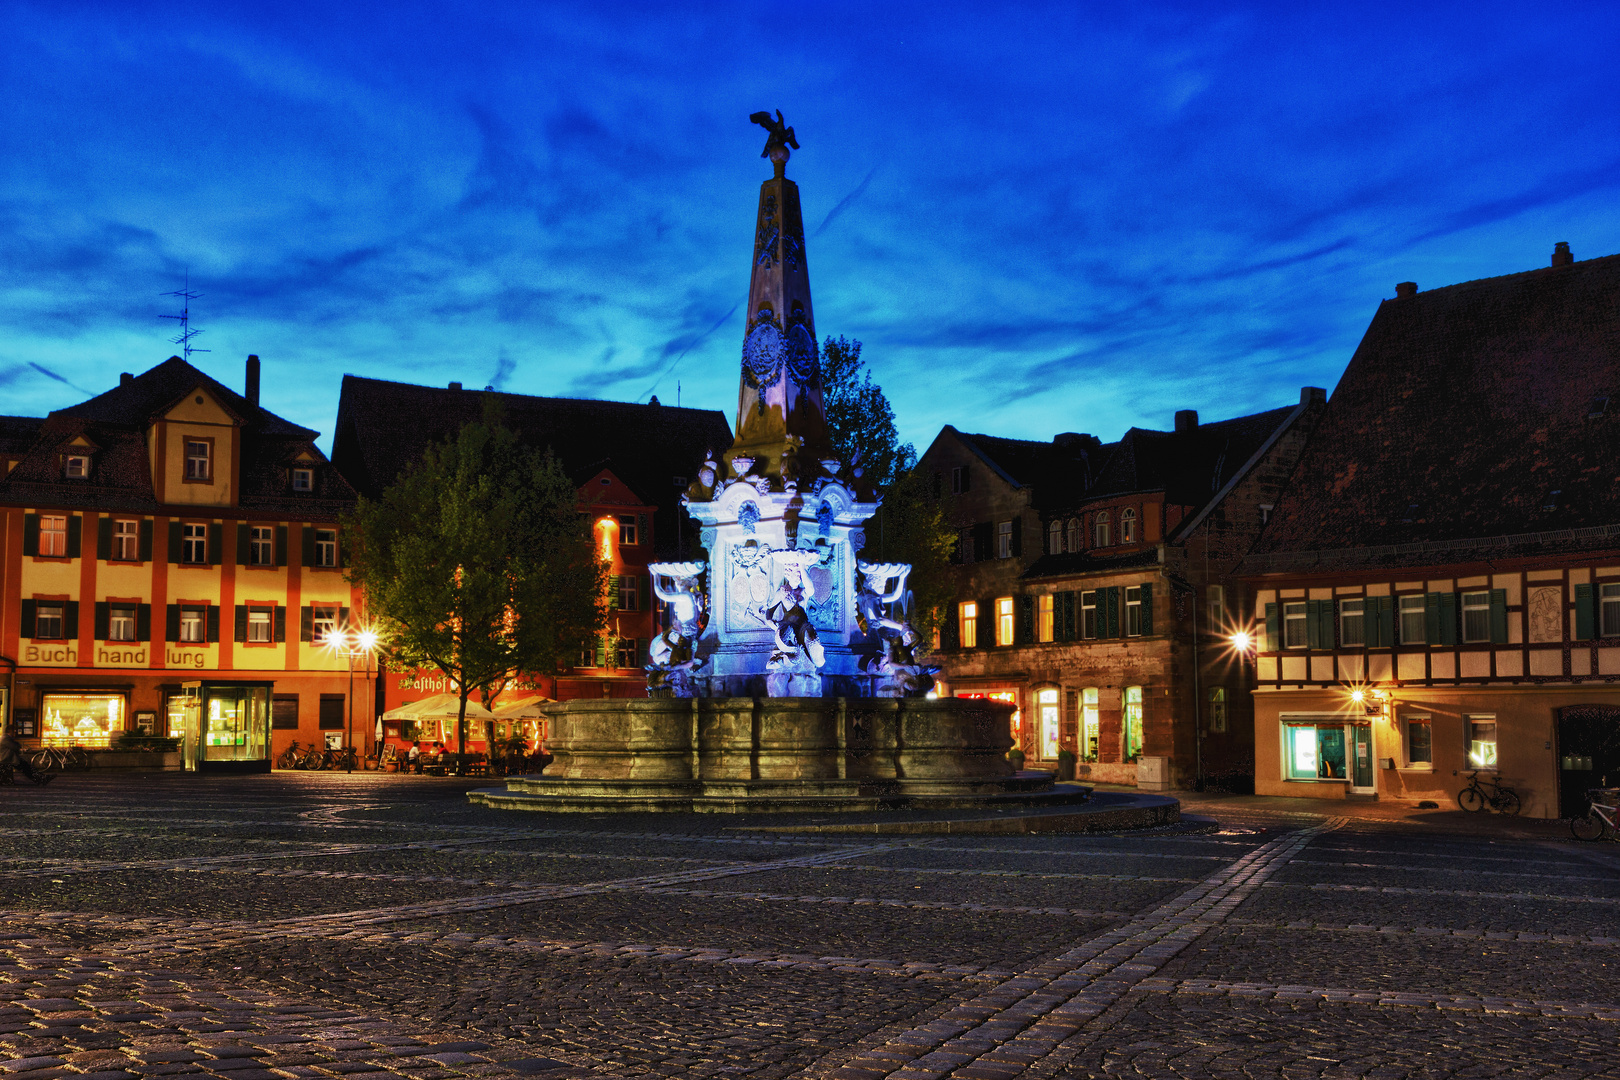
[[476, 562], [910, 526]]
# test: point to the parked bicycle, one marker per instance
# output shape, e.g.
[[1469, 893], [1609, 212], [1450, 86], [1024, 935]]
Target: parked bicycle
[[60, 758], [1474, 797], [291, 757], [1599, 819], [344, 758]]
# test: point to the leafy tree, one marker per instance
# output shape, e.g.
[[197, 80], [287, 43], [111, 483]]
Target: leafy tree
[[477, 563], [859, 417]]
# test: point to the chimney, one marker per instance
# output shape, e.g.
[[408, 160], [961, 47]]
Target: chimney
[[455, 386], [1561, 255], [1405, 289], [1309, 394], [1186, 420], [252, 382], [125, 378]]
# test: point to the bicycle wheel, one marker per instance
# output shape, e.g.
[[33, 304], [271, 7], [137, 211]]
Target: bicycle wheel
[[1589, 827], [42, 759], [1506, 801], [1471, 799]]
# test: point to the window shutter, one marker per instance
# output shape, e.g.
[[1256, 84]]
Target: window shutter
[[613, 592], [30, 537], [213, 622], [601, 652], [103, 618], [242, 540], [1319, 624], [644, 530], [143, 622], [1026, 620], [28, 618], [307, 544], [70, 619], [104, 538], [983, 541], [1386, 621], [1111, 596], [281, 545], [1071, 615], [1273, 629], [306, 623], [1499, 622], [1585, 624], [75, 525], [343, 617], [216, 543], [171, 622], [143, 544], [174, 541], [950, 629], [1018, 536], [241, 623], [1147, 608], [1431, 618], [1448, 618], [342, 549], [281, 623]]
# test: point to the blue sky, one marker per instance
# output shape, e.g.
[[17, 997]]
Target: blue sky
[[1037, 218]]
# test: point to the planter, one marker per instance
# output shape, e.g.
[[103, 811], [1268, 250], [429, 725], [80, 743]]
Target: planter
[[135, 760]]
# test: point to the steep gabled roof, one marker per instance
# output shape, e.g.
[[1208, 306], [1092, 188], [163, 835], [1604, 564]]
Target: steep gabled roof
[[17, 433], [1469, 411], [384, 426], [154, 392]]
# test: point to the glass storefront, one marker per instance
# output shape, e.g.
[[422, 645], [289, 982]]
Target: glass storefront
[[1315, 753], [222, 725], [86, 719]]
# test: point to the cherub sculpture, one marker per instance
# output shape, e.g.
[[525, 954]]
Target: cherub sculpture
[[798, 651], [672, 663], [895, 664]]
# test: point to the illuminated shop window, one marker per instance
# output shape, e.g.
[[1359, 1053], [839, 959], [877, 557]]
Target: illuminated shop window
[[1046, 704], [1133, 722], [1089, 736], [81, 719], [1314, 753]]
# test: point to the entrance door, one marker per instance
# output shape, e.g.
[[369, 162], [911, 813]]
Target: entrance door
[[1588, 754], [185, 724], [1051, 724], [1361, 761]]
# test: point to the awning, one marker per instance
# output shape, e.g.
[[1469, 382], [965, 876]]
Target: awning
[[523, 708], [438, 707]]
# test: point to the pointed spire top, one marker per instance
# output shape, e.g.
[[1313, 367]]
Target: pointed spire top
[[776, 147]]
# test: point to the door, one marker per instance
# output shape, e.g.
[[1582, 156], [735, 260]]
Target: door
[[1588, 754], [184, 724], [1361, 760], [1051, 724]]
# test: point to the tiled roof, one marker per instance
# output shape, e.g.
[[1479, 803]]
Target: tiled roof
[[17, 433], [383, 426], [1468, 412], [117, 422], [1053, 469], [1068, 564]]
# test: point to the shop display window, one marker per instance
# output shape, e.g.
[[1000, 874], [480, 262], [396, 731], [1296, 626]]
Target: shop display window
[[1133, 722], [1315, 753], [238, 723], [81, 719], [1482, 742], [1046, 701], [1089, 726]]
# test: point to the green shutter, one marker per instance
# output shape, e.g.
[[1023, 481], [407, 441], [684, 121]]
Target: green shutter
[[306, 536], [613, 592], [1064, 616], [1111, 596], [104, 538], [1319, 624], [213, 622], [1273, 629], [75, 525], [1026, 620], [280, 623], [1431, 618], [1499, 620], [306, 623], [1585, 628], [30, 538], [1147, 608], [103, 619], [1449, 610], [1386, 621]]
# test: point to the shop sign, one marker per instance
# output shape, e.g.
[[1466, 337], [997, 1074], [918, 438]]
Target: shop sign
[[50, 655], [114, 656], [432, 684], [185, 658]]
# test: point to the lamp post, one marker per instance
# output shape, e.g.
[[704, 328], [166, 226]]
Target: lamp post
[[352, 644]]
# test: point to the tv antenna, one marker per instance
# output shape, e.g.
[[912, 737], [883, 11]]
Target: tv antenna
[[186, 332]]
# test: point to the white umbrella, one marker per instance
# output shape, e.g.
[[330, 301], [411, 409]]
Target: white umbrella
[[438, 707], [523, 708]]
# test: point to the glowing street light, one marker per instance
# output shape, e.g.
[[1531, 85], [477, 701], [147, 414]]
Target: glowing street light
[[1242, 642], [352, 643]]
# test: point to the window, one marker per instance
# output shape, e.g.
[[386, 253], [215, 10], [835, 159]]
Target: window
[[967, 614], [1352, 622], [323, 621], [53, 535], [629, 653], [959, 479], [193, 624], [1127, 527], [628, 592], [262, 546], [1419, 741], [1133, 611], [1088, 614], [1217, 709], [1073, 534], [1054, 538], [194, 544], [1089, 725], [1216, 596], [1476, 622], [76, 466], [1100, 530], [80, 719], [1413, 631], [1043, 617], [1046, 705], [1482, 742], [331, 714], [1003, 539], [48, 621], [1314, 753], [1610, 597], [284, 712], [126, 541], [1004, 620], [121, 622], [258, 625], [1296, 633], [325, 547], [627, 530], [1133, 722], [303, 480], [199, 453]]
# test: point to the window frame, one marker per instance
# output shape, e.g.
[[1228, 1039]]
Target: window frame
[[1353, 634], [326, 549], [1410, 721], [1090, 727], [1049, 722], [268, 612], [1131, 717], [54, 534], [40, 607], [629, 592], [1417, 610], [200, 611], [268, 540], [122, 552], [1481, 608], [1296, 613], [308, 475], [188, 475], [967, 621], [193, 542], [1127, 526], [1482, 753], [1006, 620], [628, 536], [1099, 530], [1133, 611], [125, 615], [1004, 539], [1608, 603], [1045, 618]]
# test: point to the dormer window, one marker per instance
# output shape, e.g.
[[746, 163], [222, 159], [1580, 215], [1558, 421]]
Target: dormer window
[[1127, 527], [1100, 530], [76, 466], [303, 479], [199, 460]]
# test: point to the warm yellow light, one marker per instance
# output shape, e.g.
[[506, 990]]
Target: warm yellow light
[[1357, 696], [1241, 641], [367, 640]]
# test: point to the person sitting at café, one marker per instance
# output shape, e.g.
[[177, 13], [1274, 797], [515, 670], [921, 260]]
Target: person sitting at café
[[413, 758]]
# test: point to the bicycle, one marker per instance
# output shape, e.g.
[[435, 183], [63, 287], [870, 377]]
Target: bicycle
[[1599, 819], [1474, 798], [60, 758], [290, 757]]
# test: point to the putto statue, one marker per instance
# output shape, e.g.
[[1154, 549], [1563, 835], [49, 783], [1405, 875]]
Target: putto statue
[[895, 663], [776, 147], [672, 661]]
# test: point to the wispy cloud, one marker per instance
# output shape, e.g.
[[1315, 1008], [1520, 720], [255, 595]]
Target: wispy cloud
[[846, 202]]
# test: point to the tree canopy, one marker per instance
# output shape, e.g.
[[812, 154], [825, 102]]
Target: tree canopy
[[476, 562], [859, 417]]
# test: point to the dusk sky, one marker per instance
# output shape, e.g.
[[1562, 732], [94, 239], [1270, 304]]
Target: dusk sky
[[1036, 218]]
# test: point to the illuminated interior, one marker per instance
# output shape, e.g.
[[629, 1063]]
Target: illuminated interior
[[81, 719]]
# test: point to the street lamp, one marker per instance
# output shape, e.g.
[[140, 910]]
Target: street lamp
[[352, 644]]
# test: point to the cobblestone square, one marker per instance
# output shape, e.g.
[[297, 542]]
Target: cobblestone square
[[305, 926]]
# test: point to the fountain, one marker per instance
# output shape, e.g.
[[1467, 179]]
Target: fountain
[[790, 677]]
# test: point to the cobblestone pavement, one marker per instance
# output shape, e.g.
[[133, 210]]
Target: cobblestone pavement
[[315, 926]]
